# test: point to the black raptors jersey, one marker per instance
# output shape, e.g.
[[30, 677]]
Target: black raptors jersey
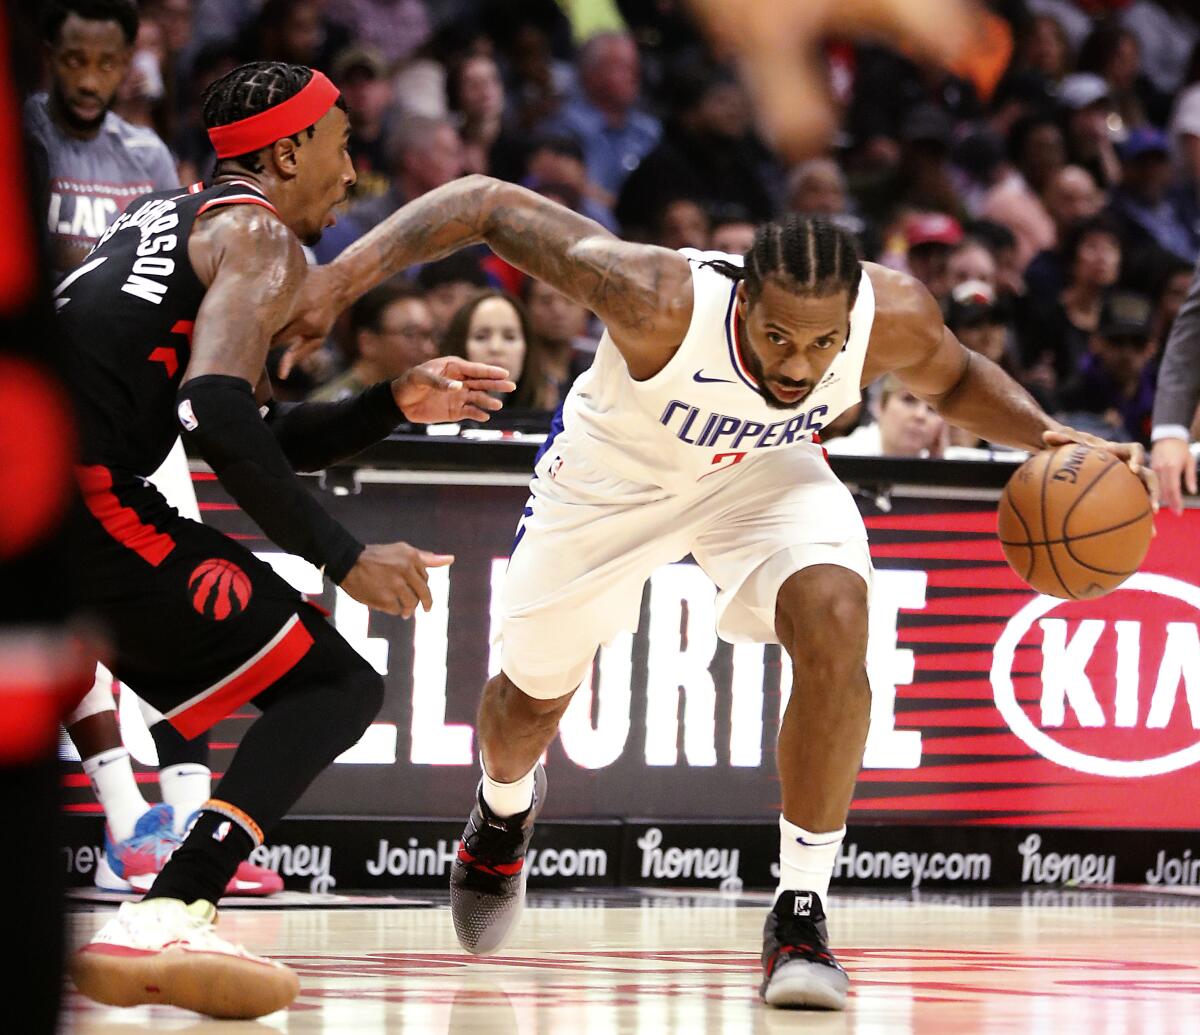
[[127, 313]]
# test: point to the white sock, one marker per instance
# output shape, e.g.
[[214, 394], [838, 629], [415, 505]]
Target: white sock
[[806, 860], [116, 790], [185, 787], [507, 799]]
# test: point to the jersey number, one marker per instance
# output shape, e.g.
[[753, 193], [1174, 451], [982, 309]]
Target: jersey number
[[722, 462]]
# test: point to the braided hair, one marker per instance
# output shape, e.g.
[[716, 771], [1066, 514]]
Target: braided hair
[[250, 90], [816, 257]]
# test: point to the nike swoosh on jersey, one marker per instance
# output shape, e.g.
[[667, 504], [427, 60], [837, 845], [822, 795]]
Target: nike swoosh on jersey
[[699, 378]]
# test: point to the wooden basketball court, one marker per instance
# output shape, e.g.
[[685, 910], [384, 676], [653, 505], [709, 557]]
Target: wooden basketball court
[[655, 963]]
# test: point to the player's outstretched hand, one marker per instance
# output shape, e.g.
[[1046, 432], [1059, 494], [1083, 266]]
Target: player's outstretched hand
[[450, 389], [394, 578], [1173, 462], [1132, 453], [312, 318]]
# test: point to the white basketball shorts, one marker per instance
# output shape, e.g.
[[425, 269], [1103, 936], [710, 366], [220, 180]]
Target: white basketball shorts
[[588, 541]]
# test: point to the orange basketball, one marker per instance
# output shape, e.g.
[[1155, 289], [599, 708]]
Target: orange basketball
[[1075, 522]]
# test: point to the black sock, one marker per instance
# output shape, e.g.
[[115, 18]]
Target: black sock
[[202, 866], [175, 749]]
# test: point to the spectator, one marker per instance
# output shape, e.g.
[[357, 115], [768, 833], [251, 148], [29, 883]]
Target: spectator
[[1045, 48], [192, 146], [926, 176], [1152, 230], [1087, 104], [1115, 382], [1002, 243], [1070, 197], [1171, 295], [538, 83], [98, 162], [1167, 32], [395, 29], [1057, 331], [1112, 52], [706, 154], [361, 75], [971, 260], [732, 231], [422, 153], [1036, 151], [930, 236], [447, 286], [1185, 140], [296, 31], [392, 330], [905, 426], [817, 188], [683, 223], [493, 328], [558, 162], [559, 325], [616, 136], [475, 93]]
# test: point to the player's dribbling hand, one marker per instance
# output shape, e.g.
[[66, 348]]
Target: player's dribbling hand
[[450, 389], [1173, 462], [394, 578], [1132, 453]]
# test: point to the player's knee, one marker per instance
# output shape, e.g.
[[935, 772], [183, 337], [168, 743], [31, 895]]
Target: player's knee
[[821, 617], [525, 705], [362, 696]]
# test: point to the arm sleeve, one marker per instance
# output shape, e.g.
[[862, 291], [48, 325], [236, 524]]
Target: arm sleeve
[[1178, 391], [314, 435], [220, 419]]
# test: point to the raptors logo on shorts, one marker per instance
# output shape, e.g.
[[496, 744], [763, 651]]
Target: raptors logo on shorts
[[219, 589]]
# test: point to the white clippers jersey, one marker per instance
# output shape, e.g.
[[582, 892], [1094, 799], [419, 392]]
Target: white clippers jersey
[[702, 413]]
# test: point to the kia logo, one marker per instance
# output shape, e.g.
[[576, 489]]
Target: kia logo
[[1151, 702]]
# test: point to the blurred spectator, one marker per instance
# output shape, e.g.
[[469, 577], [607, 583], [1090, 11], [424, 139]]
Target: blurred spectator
[[707, 153], [1037, 152], [615, 134], [1115, 382], [559, 325], [557, 161], [930, 237], [192, 146], [98, 163], [683, 223], [422, 154], [361, 75], [971, 260], [1171, 295], [1112, 53], [1167, 31], [1057, 330], [476, 95], [731, 230], [392, 330], [538, 83], [1091, 124], [905, 426], [493, 328], [141, 95], [1070, 197], [395, 29], [817, 188], [296, 31], [1185, 139], [926, 176], [1045, 48], [447, 285], [1002, 243], [1152, 230]]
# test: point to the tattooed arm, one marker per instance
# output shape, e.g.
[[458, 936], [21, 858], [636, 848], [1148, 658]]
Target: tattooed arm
[[642, 293]]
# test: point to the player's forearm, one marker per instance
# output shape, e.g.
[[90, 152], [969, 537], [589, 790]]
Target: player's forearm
[[432, 226], [989, 403], [314, 435]]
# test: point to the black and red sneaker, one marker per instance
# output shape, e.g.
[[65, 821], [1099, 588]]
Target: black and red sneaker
[[799, 970], [488, 878]]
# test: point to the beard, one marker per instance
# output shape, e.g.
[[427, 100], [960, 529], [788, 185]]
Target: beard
[[75, 122], [756, 371]]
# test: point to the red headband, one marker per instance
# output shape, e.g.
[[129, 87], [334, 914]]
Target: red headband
[[291, 116]]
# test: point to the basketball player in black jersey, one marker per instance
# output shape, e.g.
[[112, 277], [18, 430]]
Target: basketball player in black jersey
[[170, 319]]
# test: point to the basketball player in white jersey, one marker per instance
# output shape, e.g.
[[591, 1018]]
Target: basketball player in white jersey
[[696, 431]]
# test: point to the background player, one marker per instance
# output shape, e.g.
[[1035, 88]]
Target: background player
[[170, 318], [97, 163], [674, 443]]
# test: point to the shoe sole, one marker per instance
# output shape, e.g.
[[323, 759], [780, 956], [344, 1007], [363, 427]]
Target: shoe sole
[[210, 983], [800, 985]]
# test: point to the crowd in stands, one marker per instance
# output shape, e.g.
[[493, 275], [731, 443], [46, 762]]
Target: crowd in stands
[[1046, 190]]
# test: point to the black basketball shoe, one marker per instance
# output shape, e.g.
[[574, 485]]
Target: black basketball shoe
[[799, 971], [487, 880]]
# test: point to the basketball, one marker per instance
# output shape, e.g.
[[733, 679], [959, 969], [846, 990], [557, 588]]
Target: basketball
[[1075, 522]]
